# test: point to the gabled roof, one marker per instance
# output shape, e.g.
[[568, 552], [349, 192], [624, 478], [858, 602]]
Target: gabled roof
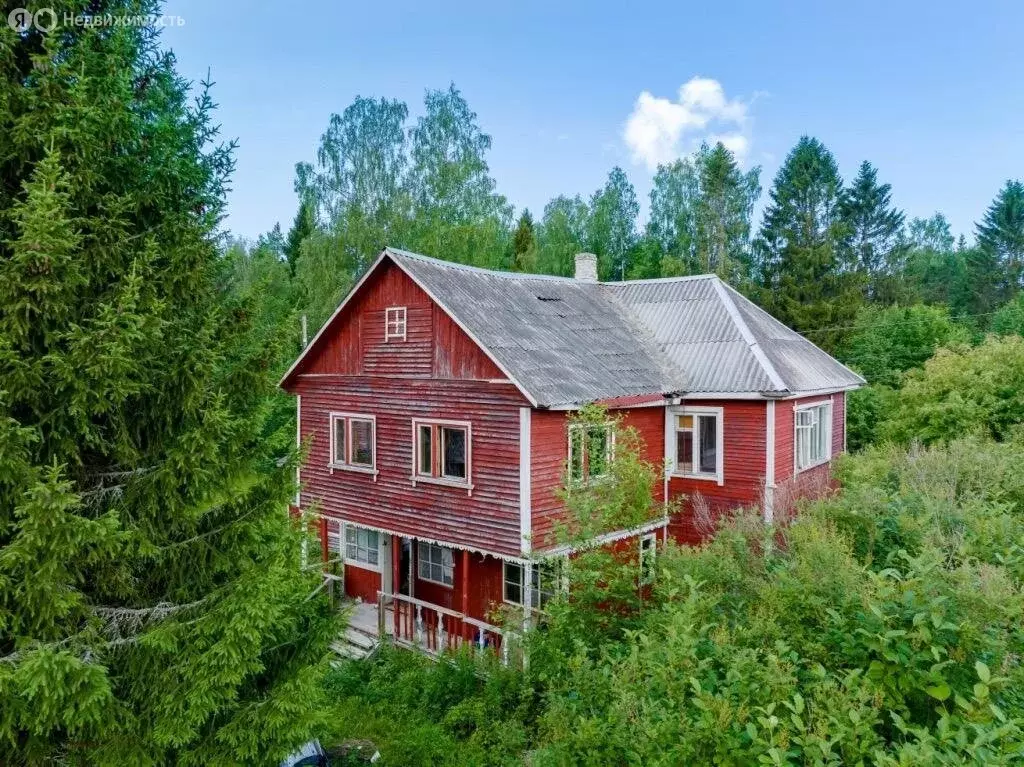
[[726, 343], [565, 342]]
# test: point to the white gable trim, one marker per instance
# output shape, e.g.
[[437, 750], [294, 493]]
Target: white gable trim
[[355, 289], [741, 325]]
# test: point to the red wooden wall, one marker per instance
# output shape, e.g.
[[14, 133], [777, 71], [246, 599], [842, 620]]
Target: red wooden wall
[[745, 429], [438, 372]]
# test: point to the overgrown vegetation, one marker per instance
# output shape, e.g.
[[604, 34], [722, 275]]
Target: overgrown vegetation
[[884, 626]]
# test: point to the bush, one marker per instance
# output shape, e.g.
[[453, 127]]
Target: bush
[[962, 390], [896, 339]]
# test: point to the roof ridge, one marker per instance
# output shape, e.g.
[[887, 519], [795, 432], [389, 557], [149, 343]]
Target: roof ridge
[[748, 335], [479, 269]]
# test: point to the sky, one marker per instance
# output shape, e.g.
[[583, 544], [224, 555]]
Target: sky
[[929, 92]]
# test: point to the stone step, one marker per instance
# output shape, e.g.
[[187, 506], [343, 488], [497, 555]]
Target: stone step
[[360, 639]]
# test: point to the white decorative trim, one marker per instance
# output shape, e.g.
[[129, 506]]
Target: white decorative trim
[[525, 480], [670, 441], [769, 463], [417, 537], [741, 325], [298, 444], [600, 540], [355, 289]]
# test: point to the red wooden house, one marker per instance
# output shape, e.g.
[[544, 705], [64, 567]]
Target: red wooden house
[[437, 401]]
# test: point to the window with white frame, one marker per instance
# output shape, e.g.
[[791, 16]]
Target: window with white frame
[[436, 564], [648, 552], [442, 451], [394, 323], [591, 450], [362, 546], [546, 579], [813, 435], [698, 443], [353, 441]]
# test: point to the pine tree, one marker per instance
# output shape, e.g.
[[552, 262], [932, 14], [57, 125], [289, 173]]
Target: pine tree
[[998, 270], [873, 227], [152, 607], [302, 227], [803, 279]]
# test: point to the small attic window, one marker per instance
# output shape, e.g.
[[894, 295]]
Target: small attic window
[[394, 323]]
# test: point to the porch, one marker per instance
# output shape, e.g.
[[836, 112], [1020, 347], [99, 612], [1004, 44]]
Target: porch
[[429, 628]]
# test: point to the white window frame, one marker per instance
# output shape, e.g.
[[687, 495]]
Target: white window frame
[[437, 425], [671, 414], [395, 323], [355, 561], [431, 563], [586, 477], [346, 464], [539, 593], [822, 412], [648, 551]]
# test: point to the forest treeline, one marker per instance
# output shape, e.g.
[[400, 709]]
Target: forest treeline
[[824, 257]]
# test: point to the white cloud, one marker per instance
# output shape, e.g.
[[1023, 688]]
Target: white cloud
[[659, 130]]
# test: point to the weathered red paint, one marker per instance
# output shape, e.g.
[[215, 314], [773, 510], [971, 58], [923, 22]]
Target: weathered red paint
[[439, 372], [362, 583]]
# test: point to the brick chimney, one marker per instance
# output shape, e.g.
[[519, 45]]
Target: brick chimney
[[586, 267]]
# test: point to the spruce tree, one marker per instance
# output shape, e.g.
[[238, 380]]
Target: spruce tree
[[152, 606], [524, 246], [997, 271], [804, 280], [873, 227], [302, 227]]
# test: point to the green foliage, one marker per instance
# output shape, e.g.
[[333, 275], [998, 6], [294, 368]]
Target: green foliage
[[960, 391], [1009, 319], [1000, 263], [152, 610], [524, 245], [611, 226], [701, 208], [882, 626], [873, 228], [807, 280], [561, 235], [887, 342]]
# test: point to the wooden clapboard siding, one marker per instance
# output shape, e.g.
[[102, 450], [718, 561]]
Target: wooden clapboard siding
[[437, 372], [744, 431]]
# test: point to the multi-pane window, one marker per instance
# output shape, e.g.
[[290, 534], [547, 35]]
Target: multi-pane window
[[334, 537], [442, 450], [353, 441], [394, 323], [546, 578], [698, 443], [648, 551], [590, 451], [362, 545], [436, 564], [813, 435]]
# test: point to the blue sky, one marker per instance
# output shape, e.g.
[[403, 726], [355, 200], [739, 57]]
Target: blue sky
[[930, 93]]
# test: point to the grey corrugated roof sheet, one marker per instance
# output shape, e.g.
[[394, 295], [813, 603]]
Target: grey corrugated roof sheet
[[567, 342], [725, 343], [563, 341]]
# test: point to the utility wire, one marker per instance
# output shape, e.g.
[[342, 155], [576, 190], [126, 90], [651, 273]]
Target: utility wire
[[907, 321]]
